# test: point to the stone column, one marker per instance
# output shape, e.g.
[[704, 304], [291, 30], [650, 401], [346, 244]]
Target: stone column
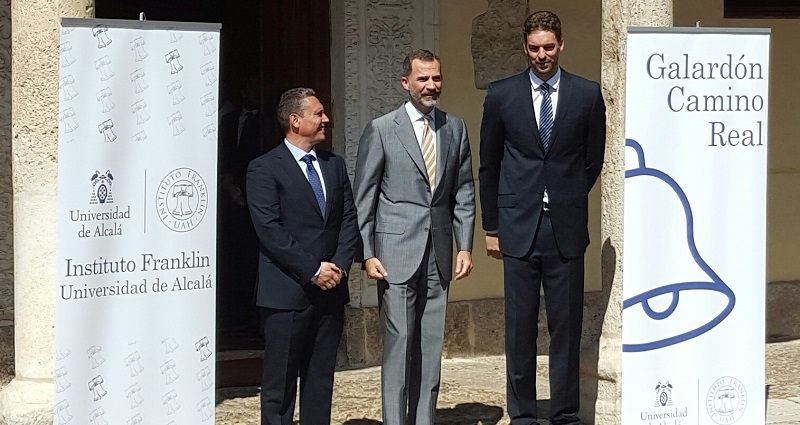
[[28, 399], [601, 369]]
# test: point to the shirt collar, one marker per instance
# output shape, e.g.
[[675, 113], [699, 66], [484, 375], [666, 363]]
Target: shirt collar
[[298, 153], [415, 115], [553, 81]]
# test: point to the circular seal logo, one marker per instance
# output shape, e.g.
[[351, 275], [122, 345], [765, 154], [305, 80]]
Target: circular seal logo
[[182, 199], [726, 400]]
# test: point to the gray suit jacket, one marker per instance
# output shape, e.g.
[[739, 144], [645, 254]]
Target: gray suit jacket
[[396, 209]]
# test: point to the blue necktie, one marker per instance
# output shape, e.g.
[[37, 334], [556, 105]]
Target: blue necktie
[[546, 117], [313, 179]]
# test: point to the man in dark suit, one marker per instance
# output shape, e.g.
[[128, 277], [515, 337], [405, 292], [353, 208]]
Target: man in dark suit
[[303, 212], [542, 146], [415, 194], [239, 143]]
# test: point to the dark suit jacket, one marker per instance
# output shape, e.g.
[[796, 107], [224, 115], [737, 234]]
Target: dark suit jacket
[[294, 237], [514, 169]]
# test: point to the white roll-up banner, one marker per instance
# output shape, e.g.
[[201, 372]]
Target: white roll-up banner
[[695, 226], [136, 251]]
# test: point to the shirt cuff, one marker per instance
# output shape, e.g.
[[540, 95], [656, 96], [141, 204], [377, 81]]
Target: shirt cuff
[[313, 278]]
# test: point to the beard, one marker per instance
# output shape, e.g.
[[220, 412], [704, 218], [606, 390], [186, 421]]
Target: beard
[[426, 102]]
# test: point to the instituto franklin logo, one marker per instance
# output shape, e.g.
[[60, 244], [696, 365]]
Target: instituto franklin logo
[[726, 400], [182, 199]]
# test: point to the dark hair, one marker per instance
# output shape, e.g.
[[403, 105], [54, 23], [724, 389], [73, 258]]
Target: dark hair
[[421, 54], [293, 101], [543, 20]]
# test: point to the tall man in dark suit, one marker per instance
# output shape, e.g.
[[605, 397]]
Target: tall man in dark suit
[[303, 212], [542, 146], [415, 193]]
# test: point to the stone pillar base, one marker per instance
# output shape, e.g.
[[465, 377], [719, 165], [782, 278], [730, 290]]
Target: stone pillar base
[[472, 328], [27, 402], [601, 383]]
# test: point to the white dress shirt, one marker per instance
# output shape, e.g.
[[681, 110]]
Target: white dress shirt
[[416, 121], [298, 154], [536, 93]]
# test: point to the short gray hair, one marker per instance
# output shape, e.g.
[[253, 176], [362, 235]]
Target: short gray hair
[[293, 101]]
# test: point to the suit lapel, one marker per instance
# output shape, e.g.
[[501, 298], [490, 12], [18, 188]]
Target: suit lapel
[[564, 99], [408, 139], [328, 174], [296, 176], [444, 139], [525, 97]]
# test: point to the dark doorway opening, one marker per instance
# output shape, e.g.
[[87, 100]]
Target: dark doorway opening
[[266, 47]]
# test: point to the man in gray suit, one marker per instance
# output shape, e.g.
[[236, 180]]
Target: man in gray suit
[[414, 192]]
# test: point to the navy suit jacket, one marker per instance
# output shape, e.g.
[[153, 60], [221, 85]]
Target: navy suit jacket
[[515, 169], [293, 233]]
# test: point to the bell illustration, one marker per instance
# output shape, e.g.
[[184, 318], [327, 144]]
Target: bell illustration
[[670, 293]]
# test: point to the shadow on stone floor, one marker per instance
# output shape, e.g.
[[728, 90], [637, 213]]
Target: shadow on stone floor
[[236, 392], [469, 414], [461, 414]]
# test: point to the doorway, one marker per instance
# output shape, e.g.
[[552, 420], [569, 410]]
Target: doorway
[[266, 47], [286, 43]]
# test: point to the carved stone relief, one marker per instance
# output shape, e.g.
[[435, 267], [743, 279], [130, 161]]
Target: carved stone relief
[[6, 221], [389, 40], [497, 41], [352, 101], [378, 34]]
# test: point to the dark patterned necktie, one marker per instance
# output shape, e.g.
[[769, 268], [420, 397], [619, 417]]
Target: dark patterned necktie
[[546, 117], [313, 179]]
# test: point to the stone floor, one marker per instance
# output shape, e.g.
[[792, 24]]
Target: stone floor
[[473, 393]]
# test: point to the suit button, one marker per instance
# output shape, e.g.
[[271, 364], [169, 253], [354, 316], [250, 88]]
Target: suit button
[[427, 188], [426, 229]]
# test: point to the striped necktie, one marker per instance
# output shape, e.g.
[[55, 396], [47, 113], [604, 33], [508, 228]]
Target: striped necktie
[[429, 151], [546, 117]]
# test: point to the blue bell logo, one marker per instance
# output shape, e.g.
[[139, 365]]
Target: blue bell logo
[[676, 295]]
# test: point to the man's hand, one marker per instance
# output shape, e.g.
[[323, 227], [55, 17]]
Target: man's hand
[[463, 264], [375, 269], [493, 246], [328, 277]]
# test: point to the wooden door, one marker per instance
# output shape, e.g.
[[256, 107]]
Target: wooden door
[[296, 52]]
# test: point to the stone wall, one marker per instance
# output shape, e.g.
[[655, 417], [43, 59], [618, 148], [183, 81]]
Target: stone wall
[[6, 222], [783, 310], [472, 329]]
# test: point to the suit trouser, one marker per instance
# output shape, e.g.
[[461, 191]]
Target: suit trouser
[[562, 280], [299, 343], [412, 314]]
